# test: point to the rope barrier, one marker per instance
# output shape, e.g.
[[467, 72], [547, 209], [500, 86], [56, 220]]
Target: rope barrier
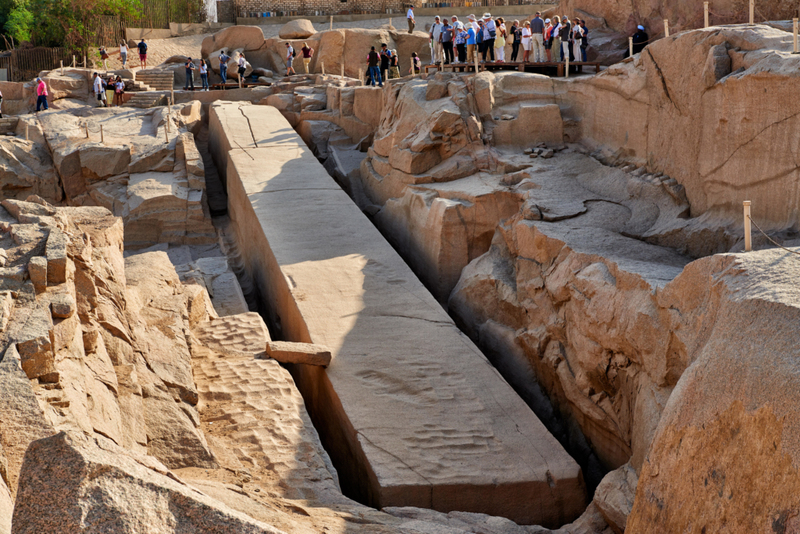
[[772, 240]]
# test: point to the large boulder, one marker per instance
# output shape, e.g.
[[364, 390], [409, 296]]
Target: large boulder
[[297, 29], [75, 483], [725, 454], [242, 37]]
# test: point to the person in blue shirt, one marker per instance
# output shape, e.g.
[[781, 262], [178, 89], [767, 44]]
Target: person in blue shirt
[[470, 44], [461, 42], [479, 46]]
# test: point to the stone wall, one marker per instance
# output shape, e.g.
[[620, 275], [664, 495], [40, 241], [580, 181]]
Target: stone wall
[[318, 7]]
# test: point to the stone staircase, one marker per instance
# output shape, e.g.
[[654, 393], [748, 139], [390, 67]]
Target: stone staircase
[[147, 99], [156, 79], [135, 86]]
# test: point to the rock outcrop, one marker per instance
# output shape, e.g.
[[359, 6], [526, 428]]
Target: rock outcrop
[[729, 430], [157, 187], [102, 341], [102, 486]]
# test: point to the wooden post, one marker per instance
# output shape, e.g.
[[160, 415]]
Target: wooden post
[[630, 46], [73, 61], [748, 241], [475, 53], [85, 65], [102, 138], [26, 131], [86, 127], [322, 67], [331, 22], [752, 11], [795, 50], [361, 75], [390, 21], [666, 28], [566, 63], [62, 67], [166, 134], [172, 97], [342, 70], [705, 14]]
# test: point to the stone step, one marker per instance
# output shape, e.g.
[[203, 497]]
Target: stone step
[[146, 99]]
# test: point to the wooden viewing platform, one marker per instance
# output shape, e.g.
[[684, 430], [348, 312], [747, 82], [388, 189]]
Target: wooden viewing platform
[[518, 66]]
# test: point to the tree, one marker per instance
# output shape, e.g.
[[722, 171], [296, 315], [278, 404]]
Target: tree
[[20, 21]]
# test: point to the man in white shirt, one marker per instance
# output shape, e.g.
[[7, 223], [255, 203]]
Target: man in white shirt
[[436, 46], [410, 17], [97, 85]]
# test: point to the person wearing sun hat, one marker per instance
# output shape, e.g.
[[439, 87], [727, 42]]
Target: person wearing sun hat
[[489, 34]]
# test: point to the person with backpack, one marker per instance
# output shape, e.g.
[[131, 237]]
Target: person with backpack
[[142, 46], [99, 90], [480, 49], [204, 74], [189, 66], [489, 35], [416, 64], [223, 66], [290, 53]]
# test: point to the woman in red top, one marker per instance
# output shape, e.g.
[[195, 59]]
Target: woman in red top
[[307, 53]]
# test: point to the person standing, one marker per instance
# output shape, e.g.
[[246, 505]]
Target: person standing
[[410, 16], [123, 53], [436, 45], [308, 53], [119, 89], [548, 38], [394, 66], [289, 59], [142, 46], [373, 60], [556, 36], [500, 40], [416, 64], [565, 32], [242, 64], [480, 48], [577, 38], [99, 90], [104, 57], [537, 38], [461, 42], [204, 74], [584, 40], [386, 57], [471, 43], [223, 66], [489, 35], [526, 42], [41, 94], [515, 33], [189, 66], [446, 38], [640, 40]]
